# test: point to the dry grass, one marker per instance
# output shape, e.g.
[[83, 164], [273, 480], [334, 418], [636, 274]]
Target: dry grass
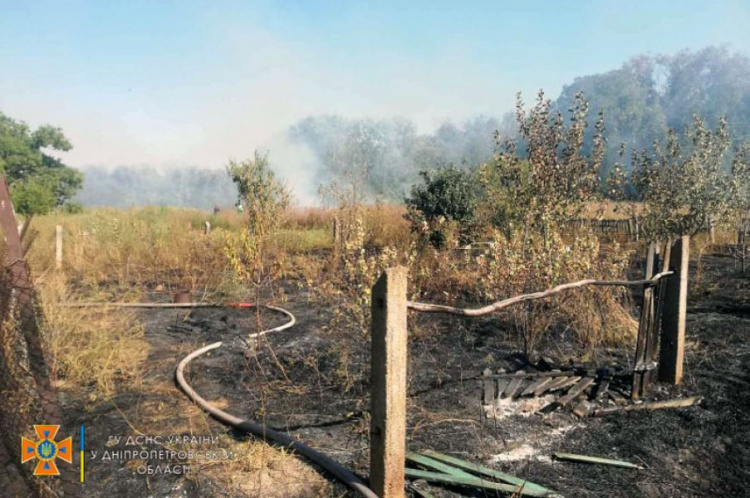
[[121, 254], [92, 348], [260, 470]]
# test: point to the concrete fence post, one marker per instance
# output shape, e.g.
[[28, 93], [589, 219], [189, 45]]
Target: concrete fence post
[[58, 246], [388, 384], [672, 349]]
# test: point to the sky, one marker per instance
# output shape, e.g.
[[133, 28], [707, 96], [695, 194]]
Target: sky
[[175, 83]]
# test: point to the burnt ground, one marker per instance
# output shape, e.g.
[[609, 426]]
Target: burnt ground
[[312, 382]]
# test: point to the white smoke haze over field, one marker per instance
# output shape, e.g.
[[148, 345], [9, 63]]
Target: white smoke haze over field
[[240, 96], [296, 164], [172, 86]]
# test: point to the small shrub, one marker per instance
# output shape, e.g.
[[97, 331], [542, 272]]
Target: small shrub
[[446, 199]]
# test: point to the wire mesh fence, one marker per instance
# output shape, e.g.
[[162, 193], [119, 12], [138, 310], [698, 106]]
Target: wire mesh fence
[[28, 396]]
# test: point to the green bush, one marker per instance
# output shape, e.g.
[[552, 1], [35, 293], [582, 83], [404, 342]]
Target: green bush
[[446, 199], [33, 197], [72, 208]]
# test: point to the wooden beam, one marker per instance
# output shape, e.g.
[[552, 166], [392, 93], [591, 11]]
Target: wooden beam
[[563, 383], [513, 387], [644, 326], [575, 391], [655, 405], [488, 394], [388, 381], [672, 353], [541, 382]]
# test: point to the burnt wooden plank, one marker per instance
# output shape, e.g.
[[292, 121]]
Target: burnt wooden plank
[[602, 388], [502, 383], [532, 375], [488, 392], [565, 383], [513, 387], [575, 391], [652, 344], [582, 410], [542, 381], [644, 325], [556, 381], [544, 387]]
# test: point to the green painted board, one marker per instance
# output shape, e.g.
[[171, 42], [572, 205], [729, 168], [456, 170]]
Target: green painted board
[[435, 465], [480, 469], [474, 482]]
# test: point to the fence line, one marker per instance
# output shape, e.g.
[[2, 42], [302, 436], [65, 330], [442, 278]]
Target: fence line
[[389, 355], [28, 395]]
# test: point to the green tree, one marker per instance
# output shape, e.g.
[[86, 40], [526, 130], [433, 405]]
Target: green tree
[[264, 195], [684, 185], [445, 196], [650, 94], [266, 198], [38, 181], [546, 170]]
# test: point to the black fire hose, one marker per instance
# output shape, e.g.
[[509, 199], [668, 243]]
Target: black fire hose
[[334, 468]]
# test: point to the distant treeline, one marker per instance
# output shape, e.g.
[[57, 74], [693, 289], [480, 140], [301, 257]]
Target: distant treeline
[[128, 186], [640, 101], [650, 94]]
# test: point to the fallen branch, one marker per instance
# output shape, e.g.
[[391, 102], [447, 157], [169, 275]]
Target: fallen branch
[[589, 459], [439, 308], [656, 405]]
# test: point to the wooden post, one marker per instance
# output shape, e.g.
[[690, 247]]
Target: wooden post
[[58, 246], [637, 230], [488, 396], [672, 350], [336, 234], [336, 242], [388, 384], [208, 229], [644, 327]]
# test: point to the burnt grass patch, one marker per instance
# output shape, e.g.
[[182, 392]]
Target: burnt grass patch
[[312, 384]]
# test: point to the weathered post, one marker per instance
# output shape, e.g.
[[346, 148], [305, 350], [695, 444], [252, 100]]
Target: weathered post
[[336, 234], [672, 350], [637, 230], [644, 327], [388, 381], [208, 229], [58, 246]]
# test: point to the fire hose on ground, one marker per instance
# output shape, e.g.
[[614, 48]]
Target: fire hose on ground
[[249, 426]]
